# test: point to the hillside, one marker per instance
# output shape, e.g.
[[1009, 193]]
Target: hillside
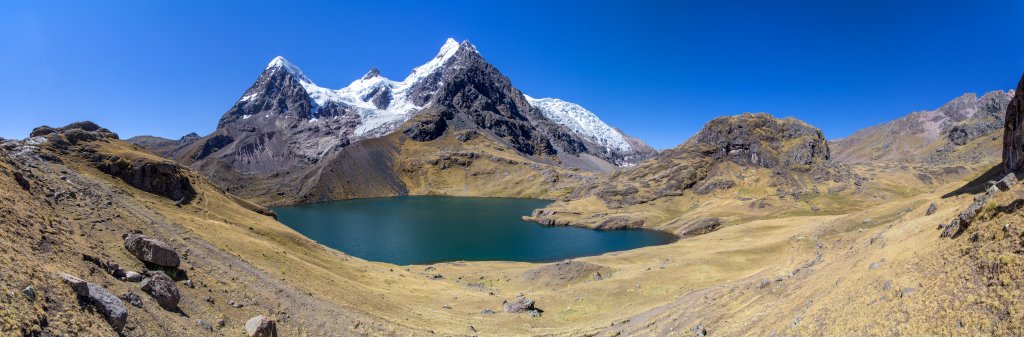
[[964, 130], [739, 167], [845, 269]]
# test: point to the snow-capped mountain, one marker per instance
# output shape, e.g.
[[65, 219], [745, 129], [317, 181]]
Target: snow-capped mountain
[[285, 124], [582, 122]]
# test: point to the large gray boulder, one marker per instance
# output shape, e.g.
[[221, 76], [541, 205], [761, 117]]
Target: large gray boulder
[[151, 250], [162, 288], [110, 306], [261, 326]]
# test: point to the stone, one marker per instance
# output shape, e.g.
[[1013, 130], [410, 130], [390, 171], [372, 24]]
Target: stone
[[151, 250], [1007, 182], [131, 276], [931, 209], [132, 298], [111, 307], [261, 326], [699, 330], [205, 325], [20, 179], [519, 305], [29, 292], [162, 288], [487, 312]]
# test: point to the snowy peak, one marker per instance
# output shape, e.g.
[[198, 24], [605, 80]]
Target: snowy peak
[[582, 122], [372, 73], [448, 50], [280, 63]]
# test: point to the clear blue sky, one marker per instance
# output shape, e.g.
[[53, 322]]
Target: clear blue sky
[[657, 70]]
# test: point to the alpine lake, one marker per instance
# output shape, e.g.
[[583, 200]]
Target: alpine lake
[[429, 229]]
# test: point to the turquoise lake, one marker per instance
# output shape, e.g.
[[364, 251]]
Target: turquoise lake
[[429, 229]]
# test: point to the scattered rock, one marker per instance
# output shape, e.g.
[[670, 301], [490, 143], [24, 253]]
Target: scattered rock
[[261, 326], [151, 250], [962, 221], [1007, 182], [132, 298], [205, 325], [20, 179], [875, 265], [907, 291], [131, 276], [110, 306], [487, 312], [699, 330], [931, 209], [162, 288], [29, 292]]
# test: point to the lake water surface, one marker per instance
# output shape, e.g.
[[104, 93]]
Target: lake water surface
[[428, 229]]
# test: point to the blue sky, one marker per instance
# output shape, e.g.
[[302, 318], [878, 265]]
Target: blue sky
[[658, 70]]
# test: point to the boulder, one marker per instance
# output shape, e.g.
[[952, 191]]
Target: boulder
[[162, 288], [110, 306], [931, 209], [131, 276], [261, 326], [520, 305], [1007, 182], [132, 298], [151, 250]]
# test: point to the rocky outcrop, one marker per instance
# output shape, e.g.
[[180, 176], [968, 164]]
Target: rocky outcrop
[[261, 326], [1013, 134], [162, 178], [699, 227], [967, 216], [163, 289], [151, 250], [110, 306]]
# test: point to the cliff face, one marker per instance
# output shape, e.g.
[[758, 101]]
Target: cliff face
[[1013, 133]]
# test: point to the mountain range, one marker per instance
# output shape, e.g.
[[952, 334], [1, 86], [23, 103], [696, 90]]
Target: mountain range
[[289, 135]]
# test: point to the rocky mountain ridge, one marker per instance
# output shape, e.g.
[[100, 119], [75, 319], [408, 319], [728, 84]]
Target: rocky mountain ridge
[[964, 129], [285, 127]]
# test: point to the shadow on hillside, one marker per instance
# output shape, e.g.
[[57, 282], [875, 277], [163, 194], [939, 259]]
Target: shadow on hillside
[[978, 185]]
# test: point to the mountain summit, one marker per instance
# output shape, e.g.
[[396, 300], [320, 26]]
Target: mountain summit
[[285, 124]]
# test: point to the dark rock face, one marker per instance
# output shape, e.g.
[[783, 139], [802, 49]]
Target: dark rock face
[[213, 144], [1013, 134], [151, 250], [110, 306], [762, 140], [162, 288], [261, 326]]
